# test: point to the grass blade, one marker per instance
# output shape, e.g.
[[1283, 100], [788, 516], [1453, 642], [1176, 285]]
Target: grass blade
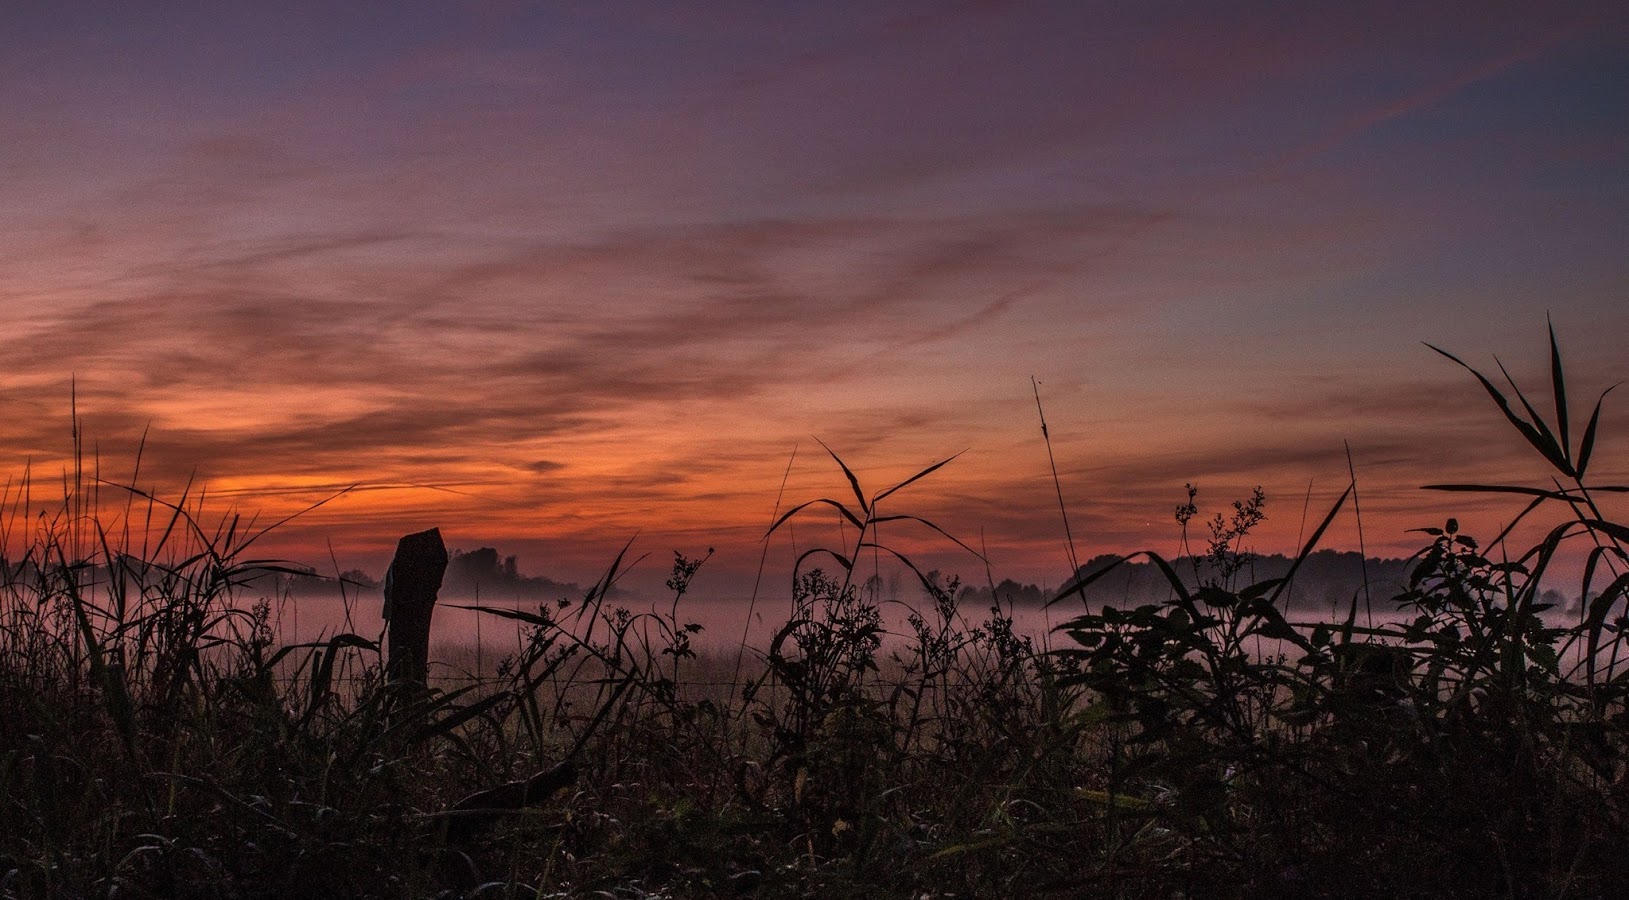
[[845, 562], [1559, 385], [918, 476], [1552, 449], [1317, 534], [454, 719], [1588, 445], [519, 615], [853, 482], [1563, 495], [957, 541], [1079, 583], [1595, 623], [1522, 425], [802, 506]]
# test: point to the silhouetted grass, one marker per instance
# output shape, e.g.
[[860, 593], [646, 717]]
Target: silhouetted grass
[[156, 742]]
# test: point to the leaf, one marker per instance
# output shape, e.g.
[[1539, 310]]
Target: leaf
[[1317, 534], [1527, 431], [1600, 606], [109, 677], [289, 518], [1499, 538], [1558, 383], [344, 639], [1618, 532], [1592, 562], [1563, 495], [603, 586], [447, 723], [1259, 589], [1183, 598], [927, 583], [322, 674], [845, 562], [1588, 445], [918, 476], [413, 715], [919, 519], [1084, 622], [1542, 553], [518, 615], [1270, 623], [1210, 595], [1552, 449], [1078, 584], [852, 481], [802, 506]]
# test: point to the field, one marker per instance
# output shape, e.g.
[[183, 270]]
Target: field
[[156, 742]]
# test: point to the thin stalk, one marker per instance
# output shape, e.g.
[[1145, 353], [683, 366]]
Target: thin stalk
[[1363, 552], [1057, 484]]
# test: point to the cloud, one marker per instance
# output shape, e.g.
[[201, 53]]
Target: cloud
[[1533, 46], [244, 356]]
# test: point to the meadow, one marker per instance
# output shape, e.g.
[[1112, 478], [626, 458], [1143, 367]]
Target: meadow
[[157, 741]]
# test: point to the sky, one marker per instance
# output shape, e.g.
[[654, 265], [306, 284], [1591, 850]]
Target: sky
[[554, 277]]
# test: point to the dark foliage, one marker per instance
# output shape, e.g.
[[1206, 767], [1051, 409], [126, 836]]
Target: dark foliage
[[1206, 742]]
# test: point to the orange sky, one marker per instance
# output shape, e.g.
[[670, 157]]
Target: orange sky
[[552, 276]]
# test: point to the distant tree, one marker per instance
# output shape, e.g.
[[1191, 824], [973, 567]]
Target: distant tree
[[476, 568]]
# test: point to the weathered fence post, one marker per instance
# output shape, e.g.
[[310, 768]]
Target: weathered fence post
[[411, 584]]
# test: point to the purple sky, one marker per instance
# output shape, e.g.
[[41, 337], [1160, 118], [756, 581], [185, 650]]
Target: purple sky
[[547, 275]]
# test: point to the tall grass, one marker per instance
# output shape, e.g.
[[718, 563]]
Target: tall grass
[[156, 741], [1476, 749]]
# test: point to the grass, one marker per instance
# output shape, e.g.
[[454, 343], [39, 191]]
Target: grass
[[156, 742]]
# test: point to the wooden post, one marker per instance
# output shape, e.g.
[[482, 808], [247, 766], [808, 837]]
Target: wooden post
[[411, 584]]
